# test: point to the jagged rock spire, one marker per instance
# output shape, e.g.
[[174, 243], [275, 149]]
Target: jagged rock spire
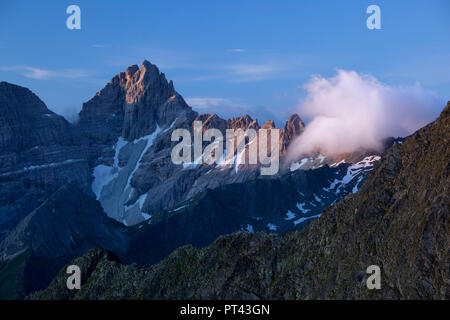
[[132, 105]]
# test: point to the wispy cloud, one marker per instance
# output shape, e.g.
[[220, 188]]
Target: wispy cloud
[[237, 50], [254, 72], [98, 45], [46, 74], [223, 106], [240, 65], [238, 73]]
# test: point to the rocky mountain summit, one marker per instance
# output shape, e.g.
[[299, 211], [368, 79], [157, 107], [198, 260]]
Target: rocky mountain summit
[[398, 220], [132, 105]]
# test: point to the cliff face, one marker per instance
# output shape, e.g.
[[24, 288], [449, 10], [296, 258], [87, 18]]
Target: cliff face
[[65, 226], [399, 220], [270, 205], [26, 122], [132, 105], [37, 155]]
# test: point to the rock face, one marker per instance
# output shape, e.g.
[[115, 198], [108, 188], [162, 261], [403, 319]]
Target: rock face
[[65, 226], [399, 220], [270, 205], [37, 155], [293, 128], [70, 216], [26, 122], [132, 105]]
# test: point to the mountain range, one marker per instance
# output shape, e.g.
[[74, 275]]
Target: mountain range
[[398, 220], [108, 181]]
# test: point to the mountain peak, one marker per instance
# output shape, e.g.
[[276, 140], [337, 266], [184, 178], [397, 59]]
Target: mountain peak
[[269, 124], [26, 120], [133, 104], [294, 127], [131, 70], [147, 63]]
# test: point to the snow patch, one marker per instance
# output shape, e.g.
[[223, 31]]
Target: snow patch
[[352, 171], [103, 175], [118, 180], [301, 207], [289, 215], [148, 143], [356, 187], [305, 219], [271, 226], [298, 165], [317, 198], [179, 208]]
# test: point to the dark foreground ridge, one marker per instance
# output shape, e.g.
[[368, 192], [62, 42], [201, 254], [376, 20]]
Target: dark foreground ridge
[[399, 220]]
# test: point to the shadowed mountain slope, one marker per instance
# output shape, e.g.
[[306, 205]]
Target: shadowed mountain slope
[[65, 226], [399, 220]]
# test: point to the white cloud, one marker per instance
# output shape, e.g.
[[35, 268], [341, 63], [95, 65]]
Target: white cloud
[[205, 102], [237, 73], [45, 74], [222, 106], [237, 50], [253, 72], [351, 111]]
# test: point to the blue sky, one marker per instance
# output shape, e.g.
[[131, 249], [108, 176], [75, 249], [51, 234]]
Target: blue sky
[[234, 56]]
